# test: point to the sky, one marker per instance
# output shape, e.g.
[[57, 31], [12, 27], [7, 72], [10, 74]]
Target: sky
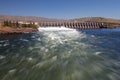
[[61, 9]]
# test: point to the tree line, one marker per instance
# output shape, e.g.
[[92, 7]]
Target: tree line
[[18, 25]]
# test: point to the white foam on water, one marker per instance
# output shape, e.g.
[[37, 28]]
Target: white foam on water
[[54, 58], [60, 34], [93, 36], [6, 44], [98, 53], [2, 57], [24, 40], [40, 64], [52, 38], [39, 39], [30, 59], [62, 28], [12, 71], [4, 41], [46, 50], [30, 48]]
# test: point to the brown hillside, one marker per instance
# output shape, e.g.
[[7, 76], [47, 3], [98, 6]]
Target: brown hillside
[[42, 19], [26, 18], [96, 19]]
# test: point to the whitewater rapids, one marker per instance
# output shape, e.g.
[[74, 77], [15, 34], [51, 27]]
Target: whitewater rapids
[[61, 54]]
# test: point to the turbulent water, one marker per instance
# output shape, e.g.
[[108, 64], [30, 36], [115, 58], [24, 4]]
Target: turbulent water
[[61, 55]]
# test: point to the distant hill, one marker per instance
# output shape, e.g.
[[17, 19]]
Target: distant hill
[[26, 18], [42, 19], [96, 19]]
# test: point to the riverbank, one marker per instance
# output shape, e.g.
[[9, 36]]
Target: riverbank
[[9, 30]]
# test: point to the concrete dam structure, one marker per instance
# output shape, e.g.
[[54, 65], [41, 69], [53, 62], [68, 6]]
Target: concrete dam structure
[[74, 25]]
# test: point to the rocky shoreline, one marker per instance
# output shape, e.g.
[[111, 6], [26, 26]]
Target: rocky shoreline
[[9, 30]]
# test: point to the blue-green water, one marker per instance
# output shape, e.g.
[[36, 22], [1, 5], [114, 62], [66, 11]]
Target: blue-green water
[[61, 55]]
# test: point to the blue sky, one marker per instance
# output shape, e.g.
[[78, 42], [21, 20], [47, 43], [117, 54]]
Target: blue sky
[[63, 9]]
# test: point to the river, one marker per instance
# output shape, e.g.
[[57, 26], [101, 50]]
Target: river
[[61, 55]]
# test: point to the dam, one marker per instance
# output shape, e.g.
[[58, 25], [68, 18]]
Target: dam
[[74, 25]]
